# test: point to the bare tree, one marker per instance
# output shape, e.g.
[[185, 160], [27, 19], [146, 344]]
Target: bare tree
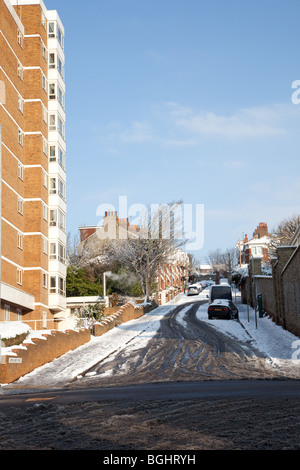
[[153, 247], [230, 261], [223, 262], [215, 259], [282, 234]]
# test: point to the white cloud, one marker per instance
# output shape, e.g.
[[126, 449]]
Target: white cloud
[[244, 123], [139, 132]]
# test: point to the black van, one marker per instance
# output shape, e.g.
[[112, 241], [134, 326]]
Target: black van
[[220, 291]]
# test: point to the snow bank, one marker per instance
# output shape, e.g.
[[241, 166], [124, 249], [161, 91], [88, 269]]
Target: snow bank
[[12, 329]]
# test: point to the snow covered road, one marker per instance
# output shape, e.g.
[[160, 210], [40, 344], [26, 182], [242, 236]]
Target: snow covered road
[[279, 347]]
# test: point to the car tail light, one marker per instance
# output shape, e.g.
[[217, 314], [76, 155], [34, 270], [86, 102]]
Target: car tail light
[[226, 309]]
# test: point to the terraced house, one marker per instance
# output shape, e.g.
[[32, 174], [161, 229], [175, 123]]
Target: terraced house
[[32, 151]]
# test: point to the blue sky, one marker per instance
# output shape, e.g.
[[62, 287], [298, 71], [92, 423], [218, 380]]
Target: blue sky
[[183, 100]]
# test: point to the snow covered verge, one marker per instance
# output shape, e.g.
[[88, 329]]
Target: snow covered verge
[[280, 347], [9, 330]]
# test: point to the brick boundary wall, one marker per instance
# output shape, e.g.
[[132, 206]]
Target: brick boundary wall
[[40, 351], [125, 313]]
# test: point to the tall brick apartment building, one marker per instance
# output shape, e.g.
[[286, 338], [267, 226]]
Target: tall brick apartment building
[[32, 154]]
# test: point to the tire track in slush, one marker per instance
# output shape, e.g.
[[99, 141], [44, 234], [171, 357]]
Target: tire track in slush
[[182, 351]]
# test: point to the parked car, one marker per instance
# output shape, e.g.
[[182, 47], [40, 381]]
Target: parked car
[[193, 290], [223, 308]]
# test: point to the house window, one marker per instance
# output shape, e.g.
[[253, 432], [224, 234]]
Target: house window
[[52, 185], [19, 314], [20, 171], [6, 312], [44, 51], [20, 241], [44, 82], [43, 21], [61, 189], [52, 92], [20, 206], [20, 38], [21, 137], [61, 253], [45, 146], [58, 251], [44, 114], [61, 127], [44, 319], [45, 280], [51, 29], [60, 37], [57, 285], [52, 251], [20, 70], [20, 103], [61, 220], [53, 285], [53, 217], [52, 122], [45, 179], [45, 212], [45, 246], [61, 97], [52, 153], [61, 158], [52, 60], [19, 276]]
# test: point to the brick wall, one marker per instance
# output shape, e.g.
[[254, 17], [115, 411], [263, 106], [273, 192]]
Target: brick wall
[[291, 293], [40, 352], [124, 314], [281, 291]]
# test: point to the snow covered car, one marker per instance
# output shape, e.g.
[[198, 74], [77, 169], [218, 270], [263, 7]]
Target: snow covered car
[[193, 290], [223, 308]]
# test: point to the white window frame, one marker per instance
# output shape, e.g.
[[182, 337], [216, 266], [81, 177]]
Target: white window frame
[[20, 38], [20, 206], [45, 114], [19, 276], [45, 146], [20, 171], [45, 179], [19, 314], [44, 324], [44, 280], [45, 212], [20, 70], [6, 313], [45, 245], [20, 240], [20, 104], [21, 137], [44, 82]]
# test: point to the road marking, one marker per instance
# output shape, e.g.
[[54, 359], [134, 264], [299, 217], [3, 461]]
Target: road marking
[[40, 399]]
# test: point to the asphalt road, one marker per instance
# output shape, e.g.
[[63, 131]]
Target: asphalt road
[[177, 391]]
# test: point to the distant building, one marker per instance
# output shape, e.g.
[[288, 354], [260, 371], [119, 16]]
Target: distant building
[[255, 247], [172, 275]]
